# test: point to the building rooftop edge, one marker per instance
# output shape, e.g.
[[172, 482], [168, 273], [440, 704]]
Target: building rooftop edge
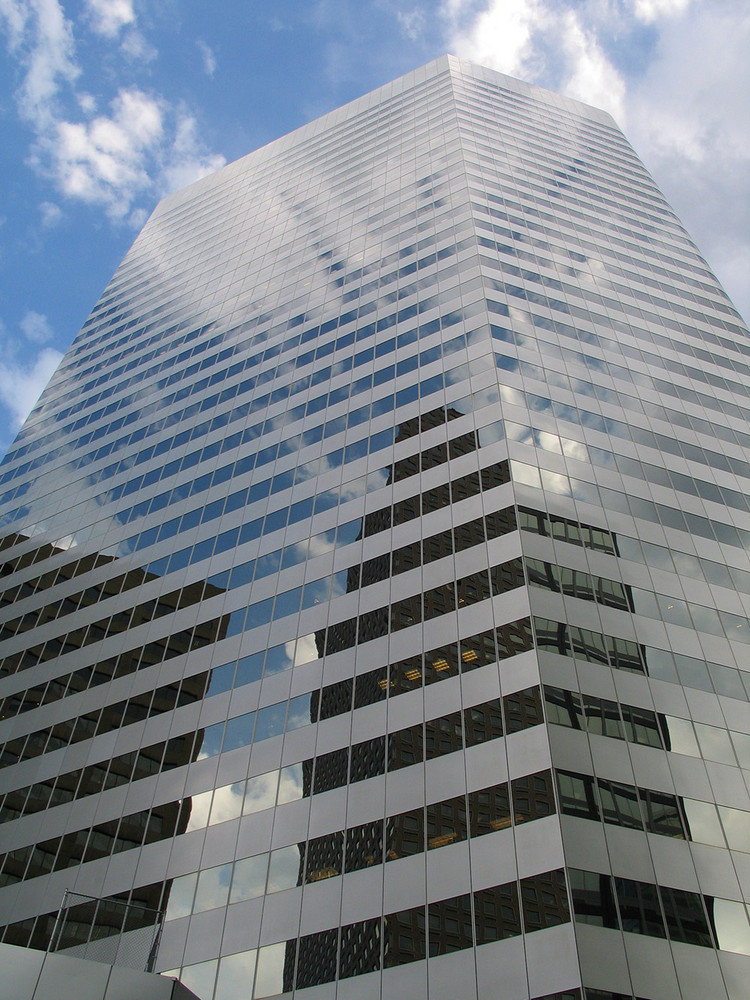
[[445, 63]]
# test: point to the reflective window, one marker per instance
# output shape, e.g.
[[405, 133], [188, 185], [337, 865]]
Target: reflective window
[[640, 912], [593, 898], [497, 913]]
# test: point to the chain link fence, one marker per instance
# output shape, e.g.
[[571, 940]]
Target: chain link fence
[[107, 930]]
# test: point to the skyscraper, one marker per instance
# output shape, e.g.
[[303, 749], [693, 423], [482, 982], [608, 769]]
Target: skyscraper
[[375, 575]]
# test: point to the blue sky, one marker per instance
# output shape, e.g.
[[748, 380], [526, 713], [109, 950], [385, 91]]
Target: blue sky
[[106, 105]]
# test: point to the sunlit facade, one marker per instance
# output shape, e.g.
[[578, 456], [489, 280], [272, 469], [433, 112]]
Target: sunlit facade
[[375, 577]]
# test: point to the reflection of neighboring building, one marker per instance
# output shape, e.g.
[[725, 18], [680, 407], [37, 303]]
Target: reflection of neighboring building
[[374, 843], [123, 832]]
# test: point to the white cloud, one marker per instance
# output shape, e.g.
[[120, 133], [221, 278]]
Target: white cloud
[[261, 792], [108, 17], [23, 374], [208, 56], [542, 42], [15, 15], [186, 160], [137, 48], [200, 806], [306, 649], [51, 214], [227, 803], [113, 159], [21, 384], [591, 77], [688, 119], [651, 10], [86, 102], [412, 22], [141, 148], [500, 35], [104, 161], [137, 218], [35, 327], [42, 38]]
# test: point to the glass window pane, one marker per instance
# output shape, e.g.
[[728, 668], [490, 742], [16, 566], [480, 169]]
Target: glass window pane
[[577, 795], [404, 937], [563, 707], [736, 824], [227, 803], [489, 810], [497, 913], [679, 736], [181, 896], [661, 813], [639, 908], [702, 822], [732, 927], [620, 804], [249, 878], [270, 721], [544, 900], [199, 978], [200, 806], [239, 732], [260, 792], [715, 743], [269, 977], [291, 783], [284, 868], [450, 925], [213, 888], [593, 898], [686, 920], [235, 975]]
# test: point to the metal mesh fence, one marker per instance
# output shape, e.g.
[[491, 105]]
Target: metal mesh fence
[[107, 930]]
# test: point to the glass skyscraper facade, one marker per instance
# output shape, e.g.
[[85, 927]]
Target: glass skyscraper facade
[[375, 577]]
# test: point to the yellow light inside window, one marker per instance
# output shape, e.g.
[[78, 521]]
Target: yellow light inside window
[[413, 674], [442, 840], [469, 655], [441, 665], [500, 824], [320, 873]]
